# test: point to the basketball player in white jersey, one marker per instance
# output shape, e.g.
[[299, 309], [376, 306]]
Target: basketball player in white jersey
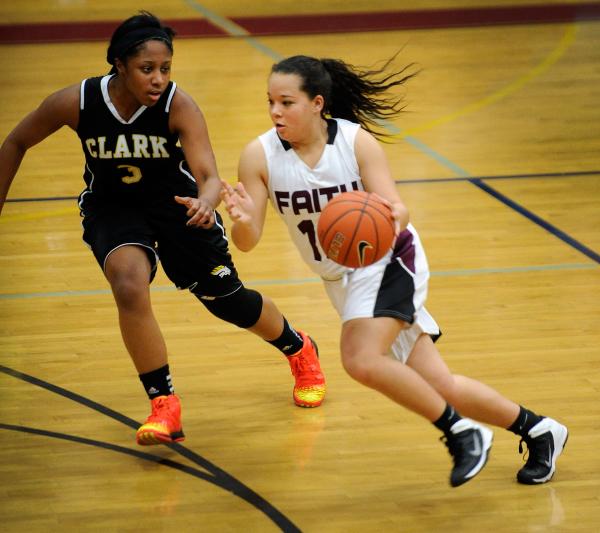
[[323, 143]]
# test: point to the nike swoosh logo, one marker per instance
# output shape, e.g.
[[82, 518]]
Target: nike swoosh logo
[[362, 247], [476, 451], [524, 422], [548, 462]]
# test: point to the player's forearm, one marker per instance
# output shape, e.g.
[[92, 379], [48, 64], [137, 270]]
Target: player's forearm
[[245, 235], [11, 155], [210, 189]]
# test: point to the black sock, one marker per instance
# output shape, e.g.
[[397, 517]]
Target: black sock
[[448, 419], [157, 382], [289, 342], [524, 422]]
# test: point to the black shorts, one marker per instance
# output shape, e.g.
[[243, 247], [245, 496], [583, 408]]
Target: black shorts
[[193, 258]]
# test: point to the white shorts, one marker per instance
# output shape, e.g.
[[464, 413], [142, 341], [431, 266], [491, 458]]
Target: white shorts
[[395, 286]]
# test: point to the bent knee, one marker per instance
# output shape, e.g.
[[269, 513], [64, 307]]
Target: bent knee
[[130, 290], [358, 367], [447, 388], [243, 308]]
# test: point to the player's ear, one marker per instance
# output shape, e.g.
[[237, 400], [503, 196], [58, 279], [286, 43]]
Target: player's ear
[[318, 103], [119, 65]]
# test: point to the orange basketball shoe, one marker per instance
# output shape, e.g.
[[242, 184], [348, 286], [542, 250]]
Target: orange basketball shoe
[[309, 389], [164, 424]]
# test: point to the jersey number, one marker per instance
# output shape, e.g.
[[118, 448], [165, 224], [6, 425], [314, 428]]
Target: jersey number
[[134, 174], [308, 228]]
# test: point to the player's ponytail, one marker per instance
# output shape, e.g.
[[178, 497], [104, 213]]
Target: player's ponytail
[[349, 92]]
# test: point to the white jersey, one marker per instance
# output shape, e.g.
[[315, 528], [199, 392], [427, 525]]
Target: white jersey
[[396, 285], [299, 193]]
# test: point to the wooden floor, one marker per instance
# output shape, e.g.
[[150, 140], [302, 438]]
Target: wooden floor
[[497, 158]]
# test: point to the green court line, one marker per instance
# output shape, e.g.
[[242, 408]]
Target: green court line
[[305, 281]]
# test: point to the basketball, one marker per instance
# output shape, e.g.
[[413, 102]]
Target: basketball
[[355, 229]]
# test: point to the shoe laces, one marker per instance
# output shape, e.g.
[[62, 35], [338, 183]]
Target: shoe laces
[[301, 364], [536, 448], [160, 403], [305, 368], [456, 443], [161, 406]]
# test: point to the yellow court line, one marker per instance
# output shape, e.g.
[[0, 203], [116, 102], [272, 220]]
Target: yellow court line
[[20, 217], [562, 46]]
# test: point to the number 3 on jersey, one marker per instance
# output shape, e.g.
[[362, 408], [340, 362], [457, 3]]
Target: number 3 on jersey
[[134, 174]]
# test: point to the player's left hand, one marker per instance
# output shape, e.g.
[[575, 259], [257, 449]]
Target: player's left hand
[[399, 214], [398, 211], [238, 202], [200, 211]]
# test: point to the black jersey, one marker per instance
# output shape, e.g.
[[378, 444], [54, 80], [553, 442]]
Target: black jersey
[[138, 159]]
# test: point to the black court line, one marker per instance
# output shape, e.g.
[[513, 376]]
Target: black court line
[[536, 220], [217, 476], [572, 174], [112, 447], [478, 182], [42, 199]]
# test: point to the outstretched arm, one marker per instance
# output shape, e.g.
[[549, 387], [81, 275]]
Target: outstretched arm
[[246, 202], [188, 121], [57, 110]]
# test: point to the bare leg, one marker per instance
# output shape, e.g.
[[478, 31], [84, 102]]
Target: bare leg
[[128, 272], [270, 323], [364, 343], [470, 397]]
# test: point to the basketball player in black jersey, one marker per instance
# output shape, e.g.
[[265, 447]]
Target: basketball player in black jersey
[[144, 199]]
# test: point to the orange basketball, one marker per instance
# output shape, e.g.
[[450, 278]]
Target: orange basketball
[[355, 229]]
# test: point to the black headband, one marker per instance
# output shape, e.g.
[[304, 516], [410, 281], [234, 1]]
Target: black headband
[[119, 48]]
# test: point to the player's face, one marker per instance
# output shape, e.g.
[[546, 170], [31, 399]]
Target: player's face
[[147, 73], [291, 109]]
